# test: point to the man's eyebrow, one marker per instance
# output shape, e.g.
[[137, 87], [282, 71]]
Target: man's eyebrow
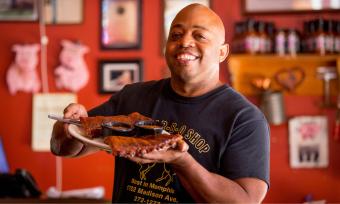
[[194, 26]]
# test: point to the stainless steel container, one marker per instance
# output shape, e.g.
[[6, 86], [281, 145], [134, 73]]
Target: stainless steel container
[[273, 107]]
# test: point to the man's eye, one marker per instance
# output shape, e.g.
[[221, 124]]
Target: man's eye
[[200, 37], [175, 36]]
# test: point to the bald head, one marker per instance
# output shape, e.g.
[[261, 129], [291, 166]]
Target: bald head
[[204, 15]]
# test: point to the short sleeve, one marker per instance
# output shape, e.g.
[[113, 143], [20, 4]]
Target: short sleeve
[[247, 152]]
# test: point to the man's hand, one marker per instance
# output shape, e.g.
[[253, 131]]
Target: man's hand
[[73, 111], [168, 155]]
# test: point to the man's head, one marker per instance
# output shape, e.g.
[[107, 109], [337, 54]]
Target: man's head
[[195, 45]]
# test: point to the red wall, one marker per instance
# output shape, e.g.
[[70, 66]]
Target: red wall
[[287, 185]]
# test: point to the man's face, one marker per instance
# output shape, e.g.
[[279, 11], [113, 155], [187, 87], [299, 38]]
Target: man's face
[[193, 46]]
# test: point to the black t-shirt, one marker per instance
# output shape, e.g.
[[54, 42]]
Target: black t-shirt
[[226, 134]]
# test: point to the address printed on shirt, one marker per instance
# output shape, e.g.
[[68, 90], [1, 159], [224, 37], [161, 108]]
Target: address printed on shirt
[[146, 189]]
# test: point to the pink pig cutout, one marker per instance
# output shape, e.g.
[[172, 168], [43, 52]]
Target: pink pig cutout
[[22, 74], [72, 74]]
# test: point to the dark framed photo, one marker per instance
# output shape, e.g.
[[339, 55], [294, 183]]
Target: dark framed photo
[[19, 10], [121, 22], [114, 75]]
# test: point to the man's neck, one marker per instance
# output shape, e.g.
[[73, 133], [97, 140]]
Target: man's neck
[[193, 89]]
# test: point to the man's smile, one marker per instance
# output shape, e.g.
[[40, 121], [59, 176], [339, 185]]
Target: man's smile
[[185, 57]]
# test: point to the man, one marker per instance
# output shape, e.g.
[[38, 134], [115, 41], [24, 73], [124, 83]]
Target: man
[[225, 157]]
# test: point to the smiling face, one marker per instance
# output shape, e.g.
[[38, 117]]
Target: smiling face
[[195, 45]]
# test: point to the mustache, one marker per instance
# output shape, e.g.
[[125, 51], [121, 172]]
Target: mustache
[[186, 51]]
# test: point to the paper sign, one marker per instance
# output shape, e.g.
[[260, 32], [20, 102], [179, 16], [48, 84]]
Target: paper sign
[[44, 104], [308, 142]]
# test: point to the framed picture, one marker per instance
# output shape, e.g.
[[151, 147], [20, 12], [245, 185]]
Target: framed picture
[[308, 142], [120, 24], [63, 11], [18, 10], [288, 6], [171, 8], [114, 75]]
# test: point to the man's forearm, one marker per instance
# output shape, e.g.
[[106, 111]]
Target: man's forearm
[[205, 186]]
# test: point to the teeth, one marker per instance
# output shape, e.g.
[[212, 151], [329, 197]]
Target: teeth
[[186, 57]]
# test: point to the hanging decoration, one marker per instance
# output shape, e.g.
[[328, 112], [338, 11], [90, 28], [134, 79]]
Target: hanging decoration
[[22, 74], [308, 142], [72, 74]]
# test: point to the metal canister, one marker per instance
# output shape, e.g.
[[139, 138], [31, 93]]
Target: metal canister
[[272, 105]]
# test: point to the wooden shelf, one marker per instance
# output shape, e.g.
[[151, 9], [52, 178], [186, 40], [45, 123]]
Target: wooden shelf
[[244, 68]]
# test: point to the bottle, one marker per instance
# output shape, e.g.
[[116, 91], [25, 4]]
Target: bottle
[[312, 39], [269, 42], [262, 37], [320, 36], [238, 39], [305, 47], [280, 41], [251, 38], [293, 42], [336, 29], [329, 36]]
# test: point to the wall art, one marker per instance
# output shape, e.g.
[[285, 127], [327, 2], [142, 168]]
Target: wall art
[[114, 75], [308, 142], [120, 24]]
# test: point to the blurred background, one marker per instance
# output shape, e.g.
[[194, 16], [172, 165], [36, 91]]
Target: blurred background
[[288, 184]]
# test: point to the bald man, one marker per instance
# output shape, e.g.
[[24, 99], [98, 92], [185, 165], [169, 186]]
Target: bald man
[[225, 156]]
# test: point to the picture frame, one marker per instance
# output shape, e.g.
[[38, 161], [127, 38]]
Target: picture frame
[[120, 24], [308, 141], [171, 8], [255, 7], [115, 74], [19, 10], [63, 11]]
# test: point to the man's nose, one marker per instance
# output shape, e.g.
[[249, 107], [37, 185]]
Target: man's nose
[[186, 41]]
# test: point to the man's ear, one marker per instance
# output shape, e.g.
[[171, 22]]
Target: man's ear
[[224, 51]]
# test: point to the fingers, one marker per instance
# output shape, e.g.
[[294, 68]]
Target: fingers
[[140, 160], [167, 155], [75, 111], [182, 146]]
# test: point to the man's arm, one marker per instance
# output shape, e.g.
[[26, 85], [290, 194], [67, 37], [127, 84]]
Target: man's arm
[[62, 143], [203, 185]]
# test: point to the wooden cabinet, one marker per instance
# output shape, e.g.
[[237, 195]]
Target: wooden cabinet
[[244, 68]]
